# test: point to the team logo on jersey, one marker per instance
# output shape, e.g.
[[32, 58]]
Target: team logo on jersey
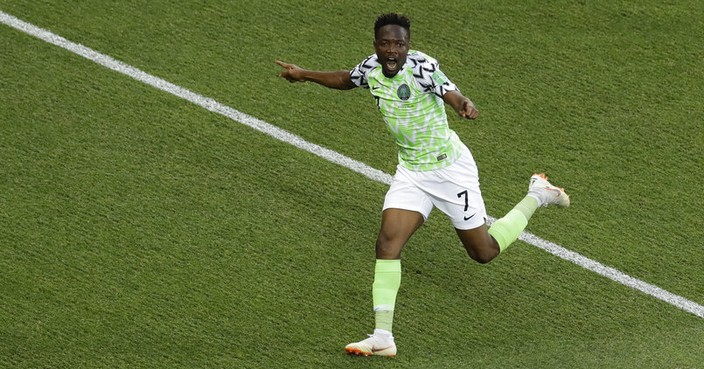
[[404, 92]]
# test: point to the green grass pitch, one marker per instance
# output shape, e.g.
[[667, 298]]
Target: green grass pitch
[[138, 230]]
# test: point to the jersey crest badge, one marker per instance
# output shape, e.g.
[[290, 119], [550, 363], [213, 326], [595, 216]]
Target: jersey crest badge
[[403, 92]]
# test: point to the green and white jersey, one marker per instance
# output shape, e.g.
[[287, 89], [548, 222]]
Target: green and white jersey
[[413, 109]]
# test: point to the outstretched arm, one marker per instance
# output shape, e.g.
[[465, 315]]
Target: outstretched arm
[[462, 105], [339, 80]]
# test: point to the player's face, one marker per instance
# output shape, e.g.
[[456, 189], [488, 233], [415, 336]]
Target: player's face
[[391, 46]]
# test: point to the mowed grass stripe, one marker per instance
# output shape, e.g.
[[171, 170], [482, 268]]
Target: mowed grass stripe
[[330, 155]]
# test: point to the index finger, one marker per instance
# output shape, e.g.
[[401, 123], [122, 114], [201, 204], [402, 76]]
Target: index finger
[[282, 64]]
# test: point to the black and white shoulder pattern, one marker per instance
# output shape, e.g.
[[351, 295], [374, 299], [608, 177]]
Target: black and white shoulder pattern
[[427, 73], [358, 74]]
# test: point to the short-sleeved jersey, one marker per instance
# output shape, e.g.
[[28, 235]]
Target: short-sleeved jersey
[[412, 106]]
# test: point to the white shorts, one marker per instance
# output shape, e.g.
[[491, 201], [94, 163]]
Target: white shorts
[[453, 189]]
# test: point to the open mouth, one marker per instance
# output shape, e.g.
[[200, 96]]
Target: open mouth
[[391, 63]]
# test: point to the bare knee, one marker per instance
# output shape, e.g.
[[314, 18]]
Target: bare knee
[[397, 226], [387, 248], [480, 245], [483, 256]]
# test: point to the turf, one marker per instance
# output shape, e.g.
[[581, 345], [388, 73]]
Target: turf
[[139, 230]]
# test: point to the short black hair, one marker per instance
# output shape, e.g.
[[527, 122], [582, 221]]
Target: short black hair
[[392, 18]]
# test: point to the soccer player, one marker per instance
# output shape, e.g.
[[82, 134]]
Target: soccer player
[[435, 168]]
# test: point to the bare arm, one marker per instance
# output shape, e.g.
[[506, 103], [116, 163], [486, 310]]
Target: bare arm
[[462, 105], [339, 80]]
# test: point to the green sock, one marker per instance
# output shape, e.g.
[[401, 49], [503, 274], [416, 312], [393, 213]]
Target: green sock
[[528, 206], [387, 281], [507, 229]]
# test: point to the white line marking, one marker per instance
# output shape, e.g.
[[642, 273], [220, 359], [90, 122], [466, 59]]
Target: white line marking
[[327, 154]]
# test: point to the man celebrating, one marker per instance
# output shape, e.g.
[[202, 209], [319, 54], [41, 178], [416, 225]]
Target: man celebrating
[[435, 168]]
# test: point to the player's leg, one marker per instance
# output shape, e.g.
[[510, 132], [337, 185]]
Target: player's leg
[[397, 227], [484, 244], [405, 209], [479, 244]]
